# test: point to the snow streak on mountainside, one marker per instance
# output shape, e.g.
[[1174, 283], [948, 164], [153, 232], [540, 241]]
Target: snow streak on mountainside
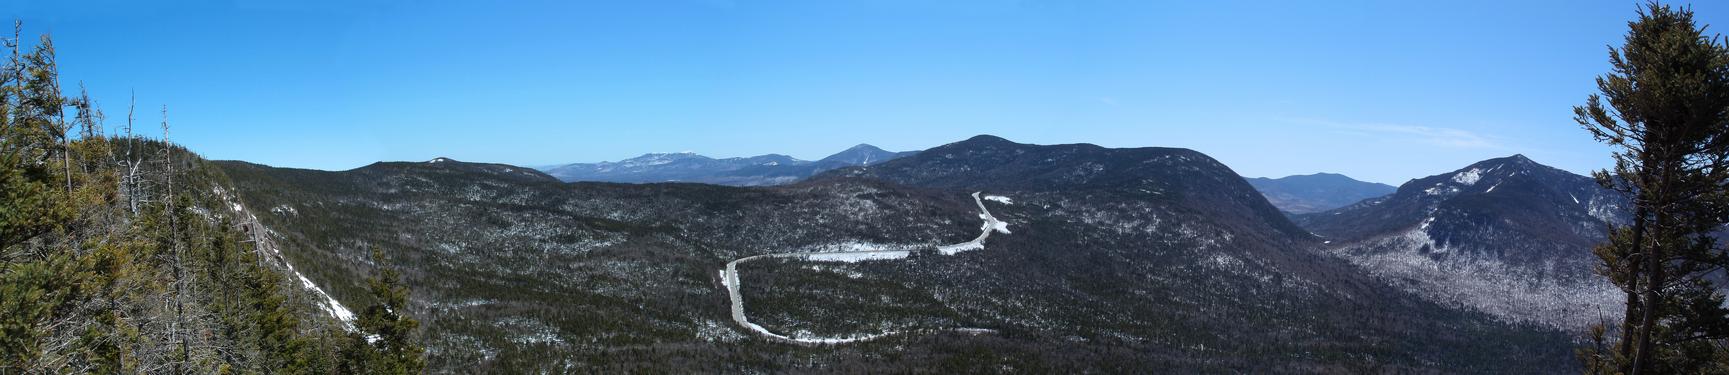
[[1513, 292], [1508, 237], [261, 238]]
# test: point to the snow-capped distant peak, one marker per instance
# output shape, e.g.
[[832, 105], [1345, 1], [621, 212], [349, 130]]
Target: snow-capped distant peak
[[657, 158], [438, 160]]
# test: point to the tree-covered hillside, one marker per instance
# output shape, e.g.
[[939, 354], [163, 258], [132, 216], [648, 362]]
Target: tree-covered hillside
[[1116, 260], [121, 254]]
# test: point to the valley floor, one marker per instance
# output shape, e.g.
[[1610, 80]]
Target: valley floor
[[730, 276]]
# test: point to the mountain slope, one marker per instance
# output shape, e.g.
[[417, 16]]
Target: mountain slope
[[155, 266], [771, 169], [862, 154], [1507, 236], [1127, 260], [1316, 192], [1190, 180]]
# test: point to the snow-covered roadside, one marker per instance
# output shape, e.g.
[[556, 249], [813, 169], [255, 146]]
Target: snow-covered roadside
[[858, 256], [991, 225], [729, 276]]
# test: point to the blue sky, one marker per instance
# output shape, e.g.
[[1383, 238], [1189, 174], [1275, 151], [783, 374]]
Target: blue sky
[[1381, 91]]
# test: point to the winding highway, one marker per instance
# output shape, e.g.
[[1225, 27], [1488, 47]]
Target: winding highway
[[729, 277]]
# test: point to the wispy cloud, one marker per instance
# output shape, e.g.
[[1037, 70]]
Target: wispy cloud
[[1439, 136]]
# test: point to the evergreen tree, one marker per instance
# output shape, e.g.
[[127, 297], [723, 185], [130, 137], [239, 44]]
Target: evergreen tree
[[384, 344], [1664, 109], [29, 139], [104, 269], [37, 282]]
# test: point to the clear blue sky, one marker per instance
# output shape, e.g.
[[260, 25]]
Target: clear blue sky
[[1383, 91]]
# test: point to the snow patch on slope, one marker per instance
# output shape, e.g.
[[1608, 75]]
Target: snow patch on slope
[[331, 305], [1606, 210], [1469, 177], [261, 238], [1413, 261]]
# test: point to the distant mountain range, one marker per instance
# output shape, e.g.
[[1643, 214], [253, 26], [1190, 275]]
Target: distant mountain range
[[771, 169], [1316, 192]]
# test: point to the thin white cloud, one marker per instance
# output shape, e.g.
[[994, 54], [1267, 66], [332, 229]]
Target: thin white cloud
[[1439, 136]]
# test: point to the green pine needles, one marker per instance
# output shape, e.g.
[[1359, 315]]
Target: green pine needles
[[1664, 110]]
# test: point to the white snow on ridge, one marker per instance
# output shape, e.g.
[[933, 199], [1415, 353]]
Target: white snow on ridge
[[1469, 177], [999, 199], [1441, 190]]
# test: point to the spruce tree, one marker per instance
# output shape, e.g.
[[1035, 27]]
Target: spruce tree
[[38, 281], [29, 142], [1664, 109], [384, 343]]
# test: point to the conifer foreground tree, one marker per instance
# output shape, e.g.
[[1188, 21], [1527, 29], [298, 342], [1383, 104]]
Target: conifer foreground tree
[[34, 282], [1664, 109], [112, 262], [383, 344]]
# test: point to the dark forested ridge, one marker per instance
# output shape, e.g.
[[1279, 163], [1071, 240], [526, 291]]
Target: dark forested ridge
[[1127, 260], [1316, 192]]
